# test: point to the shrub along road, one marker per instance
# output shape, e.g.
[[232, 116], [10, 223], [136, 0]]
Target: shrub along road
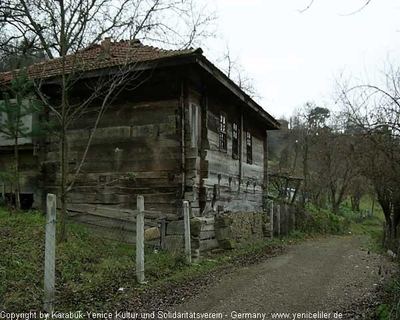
[[326, 275]]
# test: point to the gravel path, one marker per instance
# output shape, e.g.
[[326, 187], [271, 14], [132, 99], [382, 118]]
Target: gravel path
[[325, 275]]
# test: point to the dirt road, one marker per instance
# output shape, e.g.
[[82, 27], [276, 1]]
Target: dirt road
[[324, 275]]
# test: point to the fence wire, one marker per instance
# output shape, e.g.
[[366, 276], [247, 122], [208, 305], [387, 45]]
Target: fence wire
[[94, 264]]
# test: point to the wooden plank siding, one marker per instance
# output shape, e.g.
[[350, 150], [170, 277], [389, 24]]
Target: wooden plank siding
[[136, 139], [166, 134], [193, 127], [238, 184], [29, 173]]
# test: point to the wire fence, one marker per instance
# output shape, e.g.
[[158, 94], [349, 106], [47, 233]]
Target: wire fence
[[104, 258]]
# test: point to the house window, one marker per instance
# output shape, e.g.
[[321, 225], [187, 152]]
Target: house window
[[249, 148], [235, 141], [222, 132]]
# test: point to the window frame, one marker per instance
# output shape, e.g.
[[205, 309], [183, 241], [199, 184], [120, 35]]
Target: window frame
[[235, 141], [249, 147], [194, 124], [223, 132]]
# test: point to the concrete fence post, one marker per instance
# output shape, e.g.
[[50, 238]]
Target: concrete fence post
[[140, 240], [186, 221], [271, 219], [278, 218], [50, 254]]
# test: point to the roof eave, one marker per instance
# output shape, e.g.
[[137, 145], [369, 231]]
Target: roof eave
[[239, 93], [109, 70], [192, 57]]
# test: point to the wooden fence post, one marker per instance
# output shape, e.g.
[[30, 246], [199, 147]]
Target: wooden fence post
[[163, 234], [50, 253], [271, 219], [186, 221], [140, 240], [278, 218], [291, 211]]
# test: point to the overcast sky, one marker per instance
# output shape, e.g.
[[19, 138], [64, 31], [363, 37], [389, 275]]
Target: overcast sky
[[295, 57]]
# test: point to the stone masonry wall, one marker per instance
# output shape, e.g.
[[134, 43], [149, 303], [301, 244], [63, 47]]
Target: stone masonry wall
[[240, 227]]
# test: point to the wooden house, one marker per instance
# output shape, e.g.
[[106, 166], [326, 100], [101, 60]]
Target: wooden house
[[180, 129]]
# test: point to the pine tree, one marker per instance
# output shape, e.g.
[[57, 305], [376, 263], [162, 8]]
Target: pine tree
[[17, 104]]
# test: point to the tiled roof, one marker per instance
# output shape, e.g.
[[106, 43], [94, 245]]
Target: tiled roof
[[99, 56]]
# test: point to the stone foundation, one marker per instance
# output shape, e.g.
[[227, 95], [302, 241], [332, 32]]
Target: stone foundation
[[239, 227]]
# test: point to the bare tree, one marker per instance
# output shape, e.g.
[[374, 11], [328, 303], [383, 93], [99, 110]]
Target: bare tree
[[327, 165], [310, 121], [373, 115], [61, 29], [235, 71], [359, 186], [336, 165], [311, 3]]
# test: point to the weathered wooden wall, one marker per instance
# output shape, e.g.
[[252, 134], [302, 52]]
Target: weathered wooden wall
[[29, 180], [223, 180], [193, 128], [136, 150]]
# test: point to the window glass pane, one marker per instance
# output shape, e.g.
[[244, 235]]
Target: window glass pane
[[235, 141], [249, 148], [222, 132]]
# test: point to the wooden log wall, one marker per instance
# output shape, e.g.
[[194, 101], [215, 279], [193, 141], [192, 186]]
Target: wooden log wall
[[193, 121], [29, 181], [232, 183], [136, 150]]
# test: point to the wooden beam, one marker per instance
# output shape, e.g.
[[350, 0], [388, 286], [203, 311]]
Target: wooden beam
[[265, 177], [230, 85], [183, 106], [241, 135], [204, 146]]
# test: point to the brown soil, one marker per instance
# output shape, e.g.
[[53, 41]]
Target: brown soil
[[327, 275]]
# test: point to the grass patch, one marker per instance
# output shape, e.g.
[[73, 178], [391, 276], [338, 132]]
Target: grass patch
[[313, 221], [389, 309], [369, 225], [89, 270], [92, 273], [296, 235]]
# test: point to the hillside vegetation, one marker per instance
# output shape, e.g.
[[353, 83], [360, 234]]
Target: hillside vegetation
[[93, 273]]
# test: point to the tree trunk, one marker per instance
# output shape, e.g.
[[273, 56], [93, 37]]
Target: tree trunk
[[305, 172], [335, 208], [16, 174], [335, 202], [386, 208], [373, 206], [396, 219], [355, 203], [63, 187], [64, 114]]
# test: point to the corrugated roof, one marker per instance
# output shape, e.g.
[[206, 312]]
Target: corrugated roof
[[100, 56]]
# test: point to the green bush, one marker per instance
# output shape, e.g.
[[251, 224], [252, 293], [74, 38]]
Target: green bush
[[315, 221], [390, 309], [383, 312]]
